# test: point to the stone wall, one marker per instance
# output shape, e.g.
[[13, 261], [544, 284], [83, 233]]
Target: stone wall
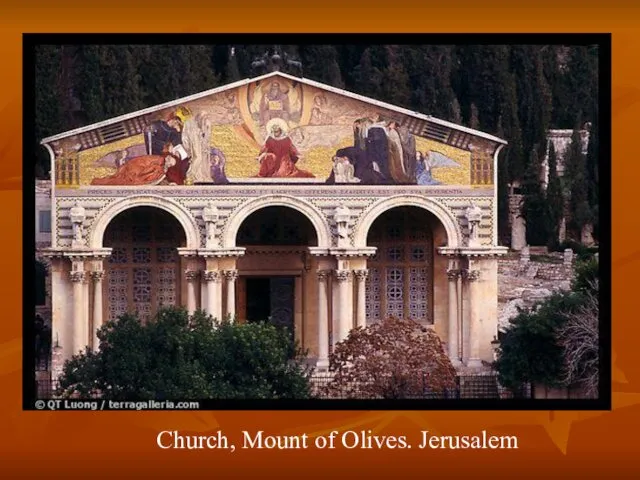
[[525, 279]]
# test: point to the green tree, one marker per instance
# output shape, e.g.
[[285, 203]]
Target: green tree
[[555, 343], [326, 70], [368, 75], [593, 181], [577, 189], [177, 356], [529, 352], [534, 205], [474, 121], [47, 114], [554, 199], [232, 69]]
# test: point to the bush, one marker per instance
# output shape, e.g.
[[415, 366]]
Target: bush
[[177, 356], [529, 351], [556, 343], [391, 359]]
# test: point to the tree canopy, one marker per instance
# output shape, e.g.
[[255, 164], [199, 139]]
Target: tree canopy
[[178, 356]]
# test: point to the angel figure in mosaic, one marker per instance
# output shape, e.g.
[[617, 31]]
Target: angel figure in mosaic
[[425, 162]]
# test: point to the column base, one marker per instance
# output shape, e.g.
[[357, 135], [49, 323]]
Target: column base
[[474, 363], [456, 362], [322, 365]]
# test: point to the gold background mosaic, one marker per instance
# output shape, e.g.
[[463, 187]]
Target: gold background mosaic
[[320, 123]]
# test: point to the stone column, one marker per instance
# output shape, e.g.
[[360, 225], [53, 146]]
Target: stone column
[[361, 306], [97, 277], [79, 330], [231, 276], [453, 336], [213, 280], [323, 321], [344, 314], [473, 359], [192, 277]]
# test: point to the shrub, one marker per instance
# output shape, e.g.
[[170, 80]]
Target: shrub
[[178, 356], [391, 359]]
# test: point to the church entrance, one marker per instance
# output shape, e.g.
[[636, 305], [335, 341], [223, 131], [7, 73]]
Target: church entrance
[[274, 281], [271, 299], [143, 271]]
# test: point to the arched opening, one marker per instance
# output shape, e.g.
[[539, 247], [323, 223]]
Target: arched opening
[[272, 276], [276, 226], [401, 273], [143, 271]]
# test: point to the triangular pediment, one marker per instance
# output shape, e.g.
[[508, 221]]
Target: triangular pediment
[[324, 123]]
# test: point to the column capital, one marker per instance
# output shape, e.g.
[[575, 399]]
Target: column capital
[[323, 274], [361, 274], [191, 275], [454, 273], [97, 275], [231, 275], [342, 275], [212, 276], [471, 275], [77, 276]]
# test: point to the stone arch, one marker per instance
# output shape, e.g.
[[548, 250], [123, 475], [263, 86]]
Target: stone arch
[[454, 237], [179, 212], [312, 213]]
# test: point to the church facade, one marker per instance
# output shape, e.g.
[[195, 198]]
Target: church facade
[[282, 199]]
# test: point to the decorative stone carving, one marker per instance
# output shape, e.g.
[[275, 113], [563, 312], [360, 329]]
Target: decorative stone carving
[[97, 275], [453, 274], [474, 216], [211, 217], [323, 275], [361, 275], [191, 275], [342, 275], [231, 275], [472, 275], [78, 216], [212, 276], [77, 276], [342, 217]]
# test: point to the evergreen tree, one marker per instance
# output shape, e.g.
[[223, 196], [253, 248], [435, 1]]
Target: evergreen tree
[[515, 158], [194, 63], [504, 219], [90, 82], [232, 73], [456, 114], [367, 76], [474, 122], [47, 114], [555, 199], [395, 79], [534, 206], [593, 174], [320, 63], [575, 176]]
